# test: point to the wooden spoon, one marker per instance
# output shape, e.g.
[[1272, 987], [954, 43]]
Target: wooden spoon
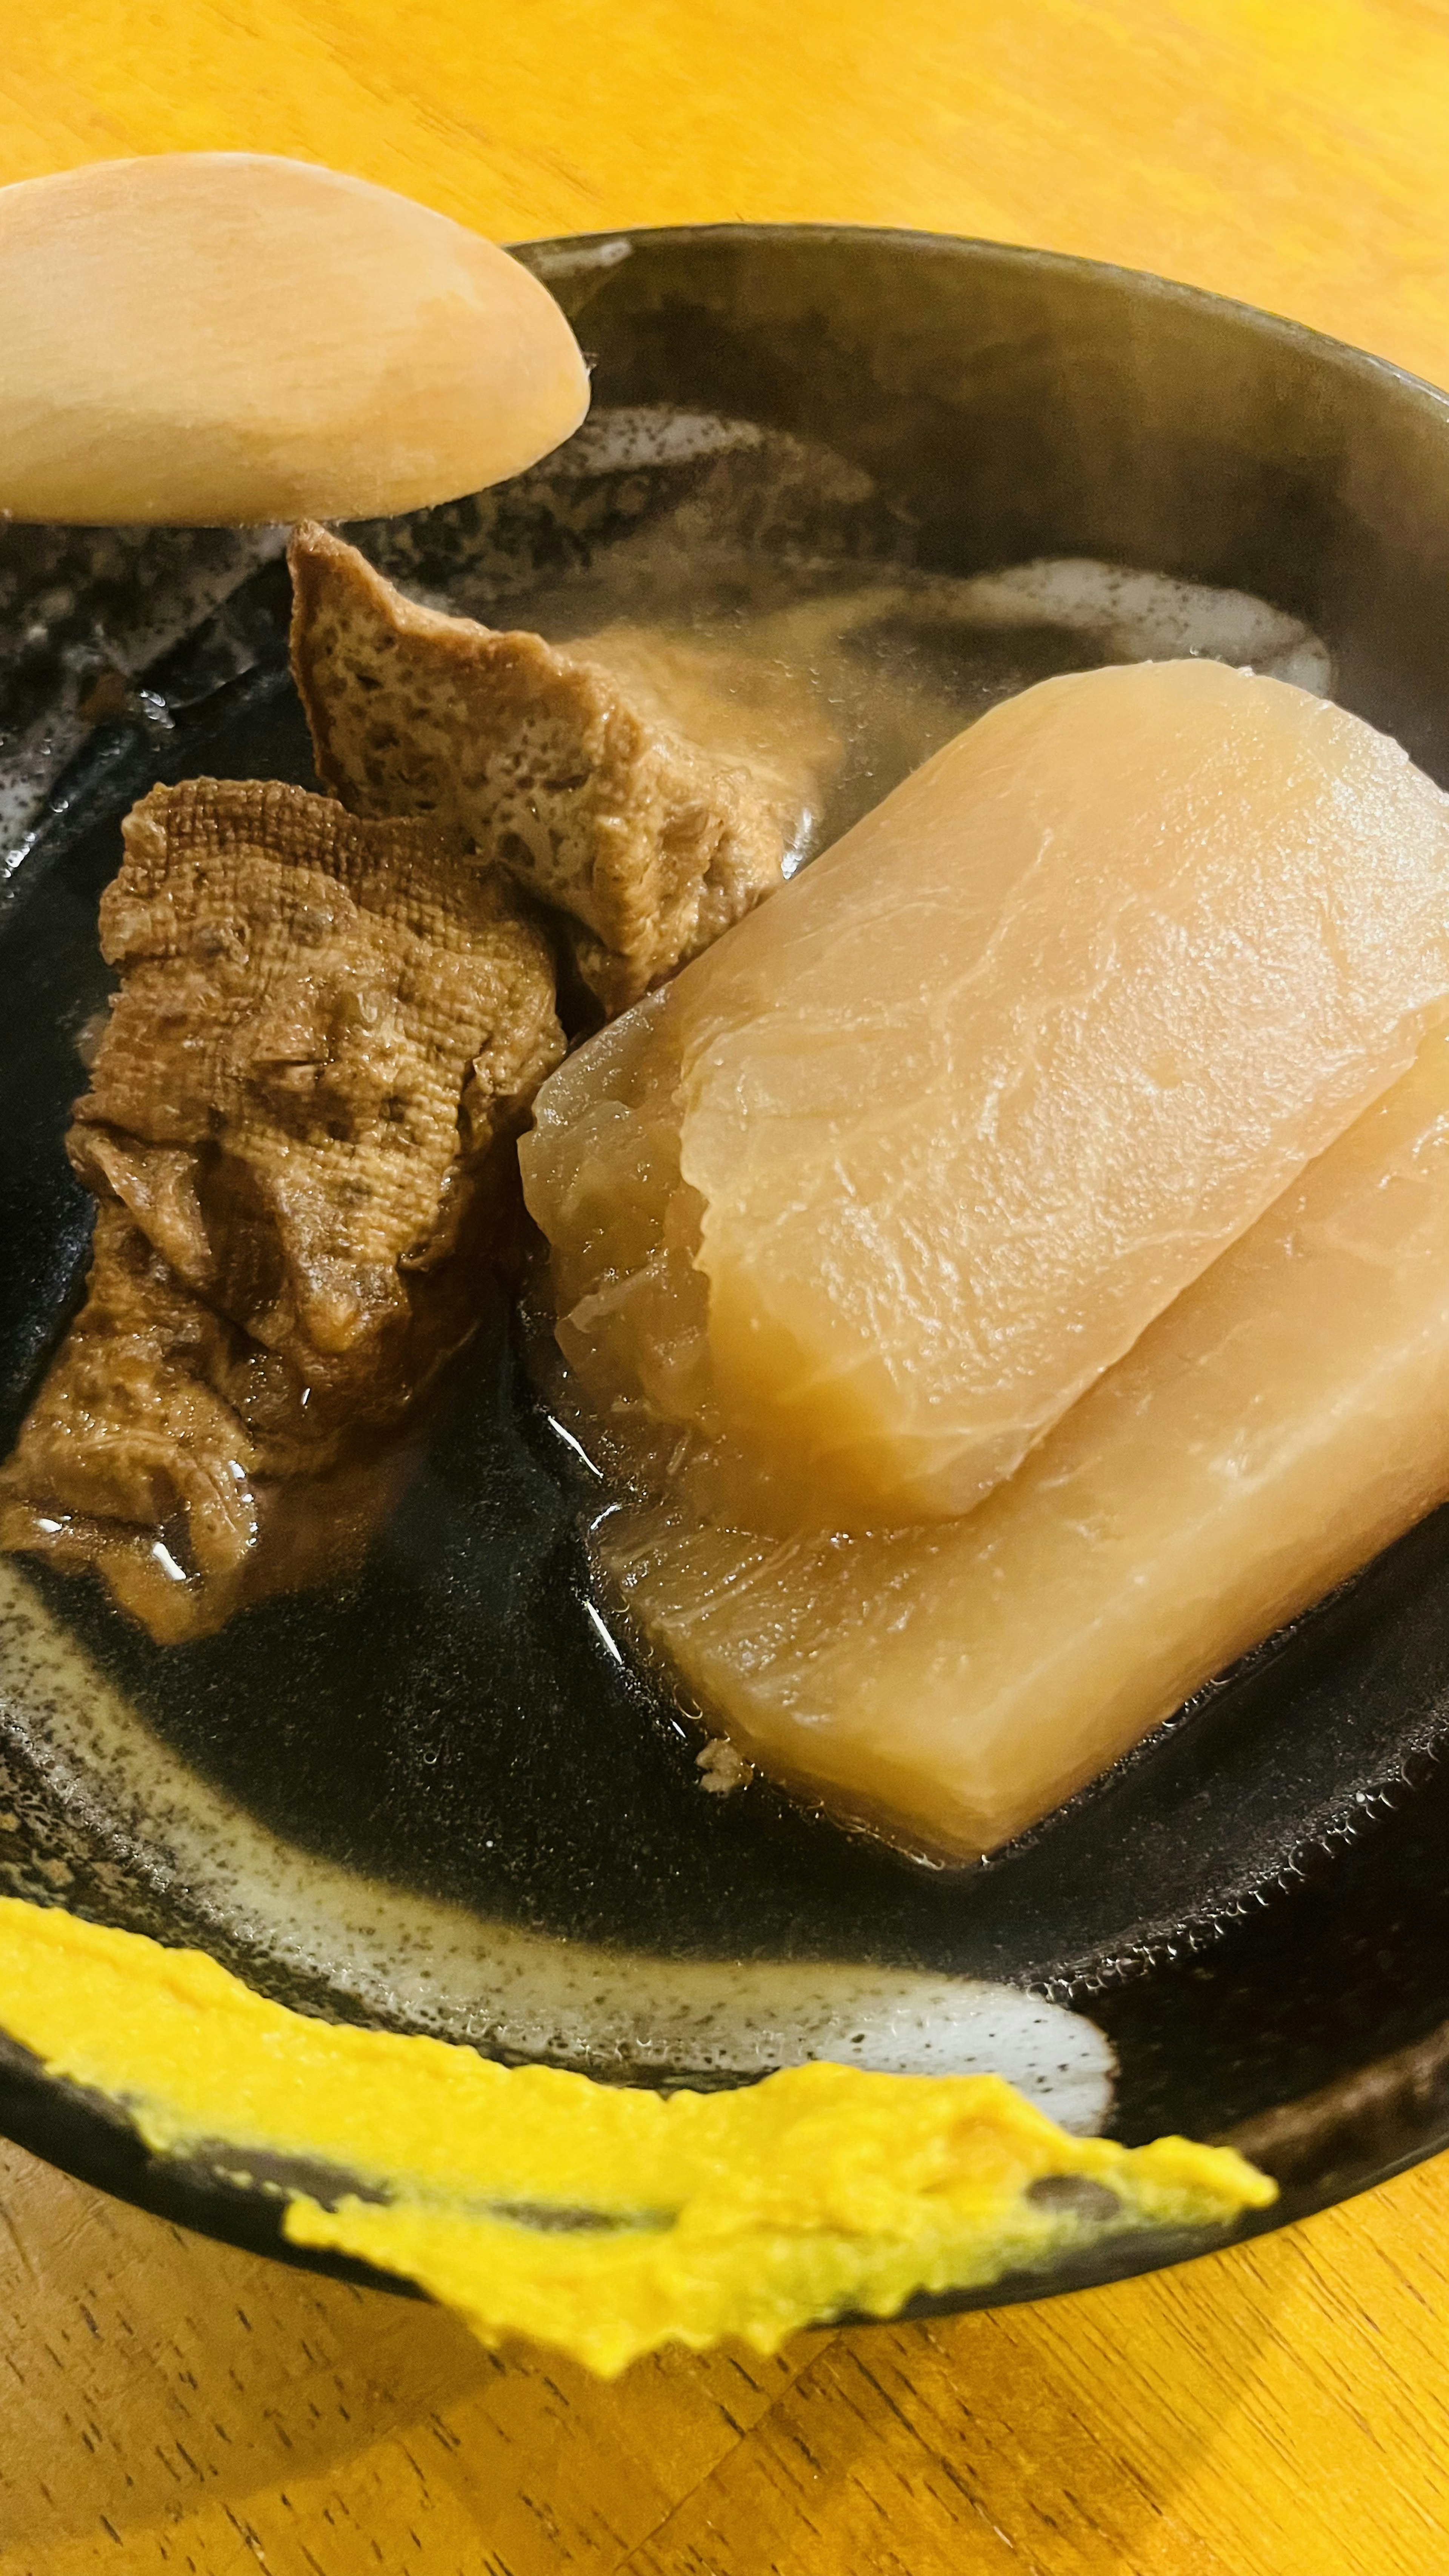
[[222, 338]]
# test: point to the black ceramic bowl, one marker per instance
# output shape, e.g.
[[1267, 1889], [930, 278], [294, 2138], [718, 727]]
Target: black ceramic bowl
[[425, 1802]]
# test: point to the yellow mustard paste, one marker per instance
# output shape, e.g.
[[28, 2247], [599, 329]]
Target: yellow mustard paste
[[602, 2219]]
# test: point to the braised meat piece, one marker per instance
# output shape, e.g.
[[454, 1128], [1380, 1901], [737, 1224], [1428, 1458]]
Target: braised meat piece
[[645, 788], [299, 1129], [129, 1437], [133, 1459], [322, 1027]]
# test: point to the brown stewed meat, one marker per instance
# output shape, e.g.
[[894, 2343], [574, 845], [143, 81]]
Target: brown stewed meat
[[299, 1129], [645, 788]]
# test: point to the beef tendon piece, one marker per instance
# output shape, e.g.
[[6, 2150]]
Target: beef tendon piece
[[326, 1036], [647, 789]]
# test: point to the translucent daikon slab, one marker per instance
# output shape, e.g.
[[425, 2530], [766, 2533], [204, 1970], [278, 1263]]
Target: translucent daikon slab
[[1281, 1423], [872, 1194]]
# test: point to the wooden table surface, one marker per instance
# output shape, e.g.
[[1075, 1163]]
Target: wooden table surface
[[169, 2404]]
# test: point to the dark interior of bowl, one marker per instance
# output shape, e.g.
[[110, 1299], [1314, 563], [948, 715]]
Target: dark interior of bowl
[[1254, 1905]]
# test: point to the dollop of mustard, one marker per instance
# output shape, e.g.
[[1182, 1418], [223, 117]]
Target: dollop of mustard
[[603, 2219]]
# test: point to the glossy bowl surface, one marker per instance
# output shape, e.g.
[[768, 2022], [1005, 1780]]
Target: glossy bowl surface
[[438, 1801]]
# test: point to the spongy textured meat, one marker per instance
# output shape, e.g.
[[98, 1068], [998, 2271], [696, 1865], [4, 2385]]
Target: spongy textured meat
[[326, 1033], [322, 1025], [648, 795], [940, 1130], [183, 1463], [129, 1424]]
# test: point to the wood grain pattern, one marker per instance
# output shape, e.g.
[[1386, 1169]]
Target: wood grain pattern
[[1281, 2411], [168, 2404], [1289, 151]]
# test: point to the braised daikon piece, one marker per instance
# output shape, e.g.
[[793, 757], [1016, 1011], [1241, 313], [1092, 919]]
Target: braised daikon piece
[[868, 1198], [1283, 1421]]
